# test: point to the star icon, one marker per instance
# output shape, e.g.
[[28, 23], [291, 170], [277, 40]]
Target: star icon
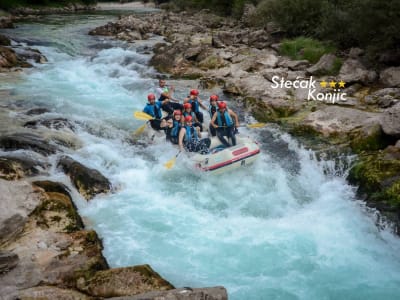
[[323, 84], [332, 84], [341, 83]]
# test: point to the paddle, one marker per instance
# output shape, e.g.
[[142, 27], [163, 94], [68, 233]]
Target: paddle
[[169, 164], [142, 116], [140, 130], [254, 125]]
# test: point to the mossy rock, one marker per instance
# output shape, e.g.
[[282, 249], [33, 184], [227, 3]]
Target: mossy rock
[[212, 62], [378, 176], [127, 281], [368, 139]]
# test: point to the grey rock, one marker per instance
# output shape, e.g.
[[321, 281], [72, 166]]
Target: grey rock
[[323, 66], [212, 293], [56, 123], [353, 71], [37, 111], [390, 121], [15, 167], [4, 41], [51, 293], [89, 182], [391, 77], [27, 141], [356, 52], [397, 144]]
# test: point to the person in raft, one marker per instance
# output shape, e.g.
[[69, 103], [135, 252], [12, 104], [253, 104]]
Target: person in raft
[[187, 111], [196, 103], [164, 95], [212, 108], [173, 127], [153, 108], [189, 138], [225, 121]]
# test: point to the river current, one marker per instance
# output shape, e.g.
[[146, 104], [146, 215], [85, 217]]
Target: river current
[[287, 227]]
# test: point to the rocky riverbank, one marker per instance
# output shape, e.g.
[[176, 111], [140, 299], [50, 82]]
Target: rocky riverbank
[[46, 252], [246, 63]]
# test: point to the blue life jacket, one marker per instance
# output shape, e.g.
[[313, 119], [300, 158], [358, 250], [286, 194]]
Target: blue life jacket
[[185, 114], [211, 110], [220, 119], [191, 133], [175, 129], [195, 105], [153, 110]]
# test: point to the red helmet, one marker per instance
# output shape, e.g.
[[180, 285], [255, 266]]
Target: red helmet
[[151, 97], [214, 98], [221, 105], [188, 118], [187, 105], [177, 112], [194, 92]]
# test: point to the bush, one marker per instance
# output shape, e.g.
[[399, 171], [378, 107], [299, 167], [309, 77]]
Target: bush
[[305, 48]]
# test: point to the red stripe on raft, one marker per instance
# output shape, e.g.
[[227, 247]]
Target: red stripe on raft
[[240, 151], [231, 161]]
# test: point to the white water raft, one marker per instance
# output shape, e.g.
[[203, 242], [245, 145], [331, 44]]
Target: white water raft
[[221, 160]]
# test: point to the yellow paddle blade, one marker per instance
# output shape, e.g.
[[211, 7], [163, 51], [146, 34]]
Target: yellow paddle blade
[[140, 130], [142, 116], [169, 164], [256, 125]]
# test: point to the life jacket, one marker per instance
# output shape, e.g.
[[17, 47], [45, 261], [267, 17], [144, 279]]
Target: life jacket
[[175, 128], [225, 119], [211, 110], [191, 133], [153, 110], [192, 114], [195, 105]]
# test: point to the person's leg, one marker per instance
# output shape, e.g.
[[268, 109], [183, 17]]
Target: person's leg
[[199, 116], [213, 131], [197, 124], [231, 134], [220, 135], [155, 124], [203, 146]]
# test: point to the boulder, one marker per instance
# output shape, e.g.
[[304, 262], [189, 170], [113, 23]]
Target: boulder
[[323, 66], [294, 65], [213, 293], [18, 201], [37, 111], [25, 54], [12, 167], [356, 52], [123, 282], [4, 41], [390, 121], [353, 71], [384, 98], [6, 23], [56, 123], [27, 141], [51, 293], [397, 144], [89, 182], [390, 77]]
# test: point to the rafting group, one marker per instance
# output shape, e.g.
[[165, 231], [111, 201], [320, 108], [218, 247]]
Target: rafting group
[[183, 123]]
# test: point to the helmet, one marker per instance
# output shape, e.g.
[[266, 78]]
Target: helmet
[[221, 105], [151, 97], [188, 118], [214, 98], [177, 112], [194, 92], [187, 105]]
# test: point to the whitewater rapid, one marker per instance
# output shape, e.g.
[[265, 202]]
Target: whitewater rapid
[[287, 227]]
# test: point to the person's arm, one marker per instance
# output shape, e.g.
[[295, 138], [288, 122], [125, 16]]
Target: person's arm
[[235, 116], [213, 121], [182, 133], [201, 104]]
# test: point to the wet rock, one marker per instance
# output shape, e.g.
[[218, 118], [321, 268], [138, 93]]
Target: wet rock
[[57, 211], [213, 293], [8, 261], [6, 23], [89, 182], [30, 54], [56, 123], [4, 41], [27, 141], [123, 282], [368, 138], [12, 168], [390, 121], [18, 200], [353, 71], [384, 98], [51, 293], [390, 77], [323, 66], [37, 111]]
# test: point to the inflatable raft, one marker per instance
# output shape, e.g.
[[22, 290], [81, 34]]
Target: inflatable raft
[[221, 159]]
